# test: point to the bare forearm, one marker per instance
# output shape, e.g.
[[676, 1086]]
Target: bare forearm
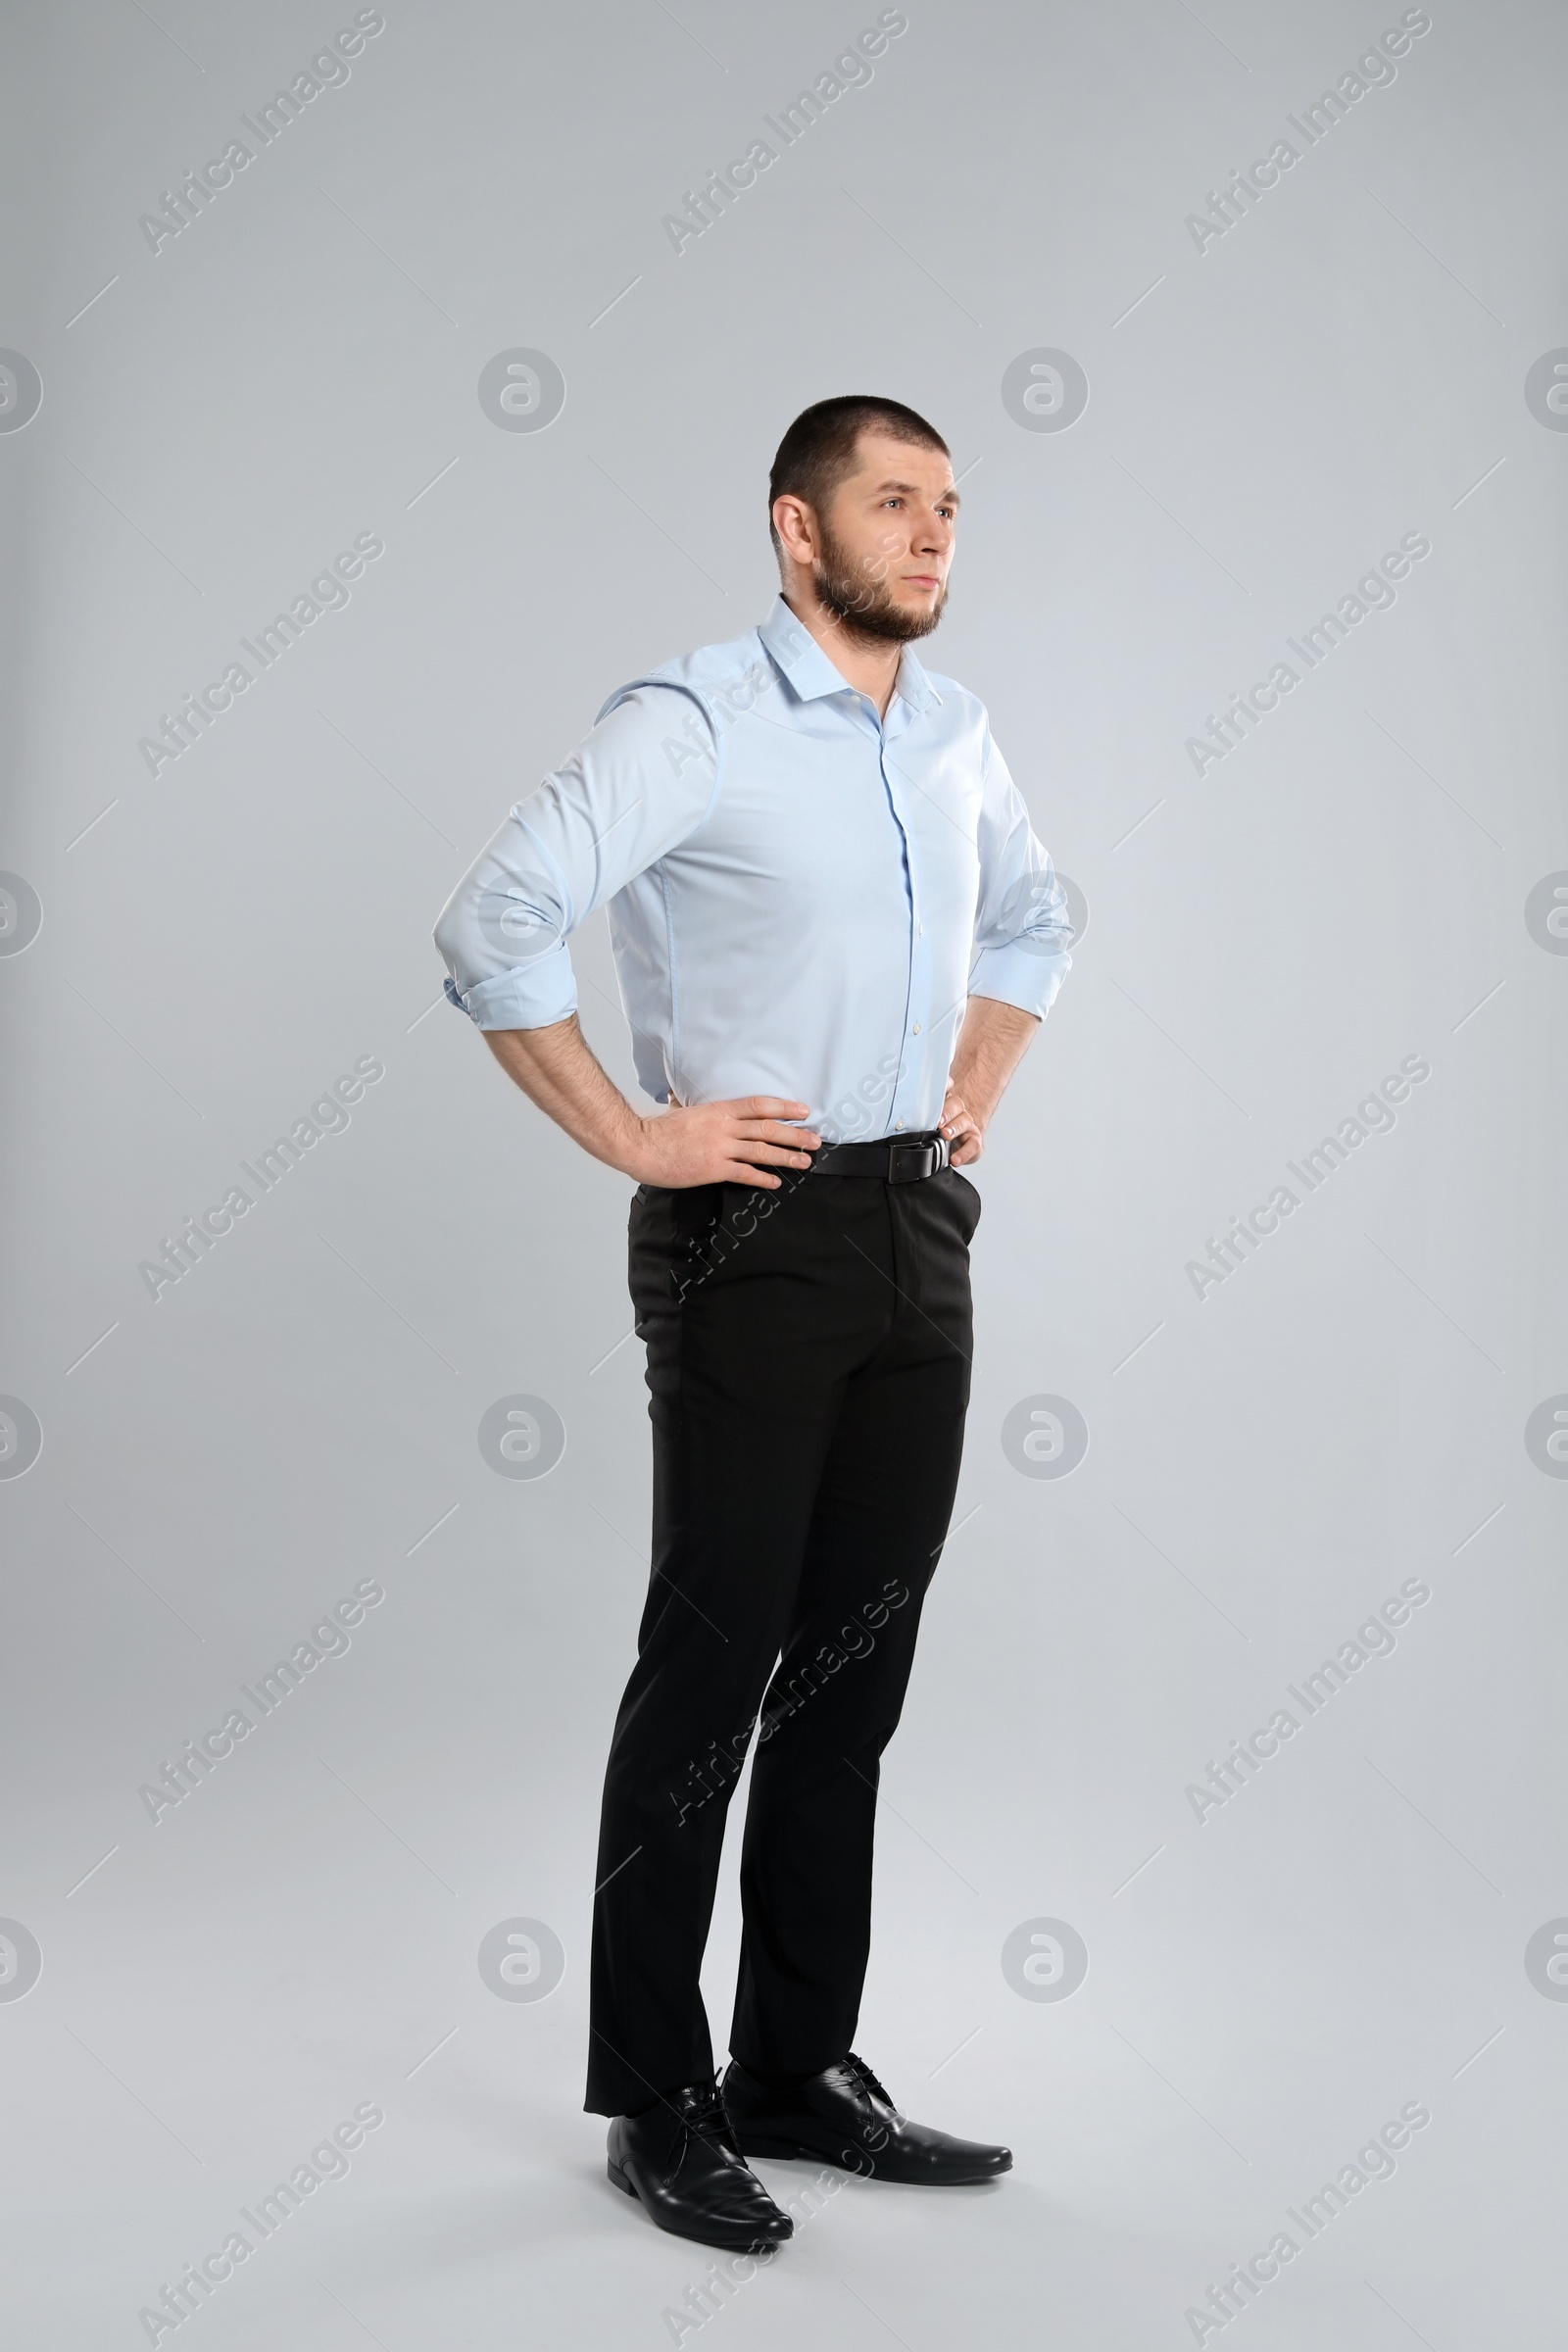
[[993, 1041], [557, 1070], [737, 1142]]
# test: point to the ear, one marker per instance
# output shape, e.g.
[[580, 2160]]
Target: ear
[[795, 525]]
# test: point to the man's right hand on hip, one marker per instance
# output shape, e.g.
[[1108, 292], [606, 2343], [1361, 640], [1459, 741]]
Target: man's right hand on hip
[[723, 1143]]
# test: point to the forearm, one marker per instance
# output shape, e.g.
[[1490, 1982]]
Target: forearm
[[557, 1070], [992, 1042], [738, 1142]]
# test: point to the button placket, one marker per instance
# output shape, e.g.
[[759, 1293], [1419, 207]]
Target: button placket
[[908, 1077]]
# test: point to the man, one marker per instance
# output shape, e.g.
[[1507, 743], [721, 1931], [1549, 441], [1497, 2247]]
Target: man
[[835, 934]]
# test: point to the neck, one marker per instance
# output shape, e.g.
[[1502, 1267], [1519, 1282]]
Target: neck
[[868, 664]]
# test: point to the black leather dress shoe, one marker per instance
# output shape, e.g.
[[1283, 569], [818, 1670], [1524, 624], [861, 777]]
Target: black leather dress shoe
[[680, 2158], [844, 2114]]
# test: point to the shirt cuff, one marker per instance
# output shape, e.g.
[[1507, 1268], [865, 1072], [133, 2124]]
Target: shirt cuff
[[531, 995], [1020, 974]]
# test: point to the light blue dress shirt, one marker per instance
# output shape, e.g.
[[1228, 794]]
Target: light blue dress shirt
[[801, 895]]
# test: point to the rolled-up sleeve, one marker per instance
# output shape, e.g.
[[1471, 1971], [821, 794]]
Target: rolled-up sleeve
[[1021, 932], [643, 780]]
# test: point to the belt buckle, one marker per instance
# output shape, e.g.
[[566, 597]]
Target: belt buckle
[[933, 1156]]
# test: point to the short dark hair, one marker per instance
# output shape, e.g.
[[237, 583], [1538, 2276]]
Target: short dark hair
[[818, 453]]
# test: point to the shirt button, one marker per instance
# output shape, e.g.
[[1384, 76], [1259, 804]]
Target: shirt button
[[919, 930], [916, 1031], [898, 1126]]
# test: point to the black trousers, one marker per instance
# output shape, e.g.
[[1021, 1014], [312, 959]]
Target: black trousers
[[808, 1373]]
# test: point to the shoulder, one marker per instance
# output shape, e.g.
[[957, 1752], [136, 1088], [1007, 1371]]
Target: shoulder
[[962, 716], [717, 677], [959, 705]]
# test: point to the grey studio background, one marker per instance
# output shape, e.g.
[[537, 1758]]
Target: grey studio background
[[1186, 2012]]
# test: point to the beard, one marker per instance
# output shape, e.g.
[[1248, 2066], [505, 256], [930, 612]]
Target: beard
[[863, 605]]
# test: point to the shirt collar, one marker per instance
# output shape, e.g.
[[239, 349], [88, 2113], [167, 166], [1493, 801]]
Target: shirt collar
[[810, 673]]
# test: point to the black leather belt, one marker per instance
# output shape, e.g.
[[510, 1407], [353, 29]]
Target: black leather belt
[[897, 1158]]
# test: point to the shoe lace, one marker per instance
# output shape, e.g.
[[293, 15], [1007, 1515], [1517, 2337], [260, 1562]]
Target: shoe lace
[[704, 2115], [863, 2074]]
